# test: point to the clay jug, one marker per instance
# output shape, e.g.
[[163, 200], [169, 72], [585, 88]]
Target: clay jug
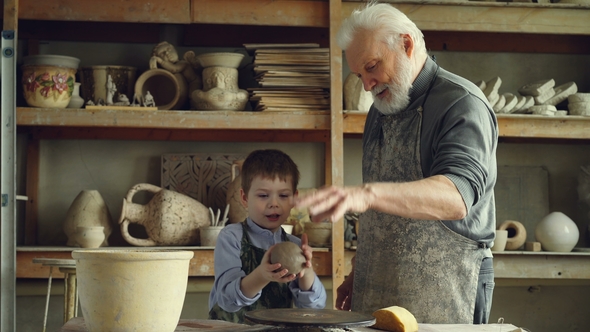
[[170, 218], [87, 209], [237, 211]]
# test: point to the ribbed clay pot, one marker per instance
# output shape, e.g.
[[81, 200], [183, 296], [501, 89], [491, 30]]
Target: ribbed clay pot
[[132, 290]]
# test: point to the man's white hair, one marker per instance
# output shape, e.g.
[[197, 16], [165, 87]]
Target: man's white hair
[[386, 21]]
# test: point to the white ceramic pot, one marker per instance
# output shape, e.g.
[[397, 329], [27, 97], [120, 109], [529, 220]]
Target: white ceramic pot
[[87, 209], [557, 232], [132, 290], [89, 236], [76, 101]]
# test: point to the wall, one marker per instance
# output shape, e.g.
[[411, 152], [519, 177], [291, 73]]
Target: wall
[[112, 167]]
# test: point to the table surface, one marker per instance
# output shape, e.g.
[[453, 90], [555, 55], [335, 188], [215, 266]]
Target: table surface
[[76, 324]]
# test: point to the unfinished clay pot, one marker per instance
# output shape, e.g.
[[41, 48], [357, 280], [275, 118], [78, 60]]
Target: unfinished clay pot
[[132, 290], [170, 218], [289, 255]]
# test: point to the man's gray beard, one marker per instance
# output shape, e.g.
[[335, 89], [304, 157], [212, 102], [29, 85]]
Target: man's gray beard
[[399, 92]]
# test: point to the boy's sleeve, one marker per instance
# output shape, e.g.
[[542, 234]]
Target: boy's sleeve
[[314, 298], [228, 273]]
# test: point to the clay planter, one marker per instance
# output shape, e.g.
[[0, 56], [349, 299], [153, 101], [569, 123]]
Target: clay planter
[[289, 255], [319, 234], [131, 290], [94, 81], [170, 218], [48, 80], [209, 235], [89, 236]]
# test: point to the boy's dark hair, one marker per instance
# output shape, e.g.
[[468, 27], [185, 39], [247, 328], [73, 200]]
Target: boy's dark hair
[[268, 164]]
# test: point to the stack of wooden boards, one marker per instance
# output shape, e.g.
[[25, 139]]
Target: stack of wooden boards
[[291, 77]]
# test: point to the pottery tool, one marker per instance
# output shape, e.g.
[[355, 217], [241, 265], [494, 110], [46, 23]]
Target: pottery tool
[[215, 217], [319, 318]]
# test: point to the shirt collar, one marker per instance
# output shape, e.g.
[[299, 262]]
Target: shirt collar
[[422, 82], [261, 231]]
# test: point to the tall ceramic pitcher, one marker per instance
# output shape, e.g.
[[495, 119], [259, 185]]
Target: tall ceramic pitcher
[[170, 218]]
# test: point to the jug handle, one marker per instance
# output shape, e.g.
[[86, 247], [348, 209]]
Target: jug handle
[[125, 222], [132, 240]]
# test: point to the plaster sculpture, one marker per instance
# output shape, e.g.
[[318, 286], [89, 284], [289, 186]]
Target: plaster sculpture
[[491, 90], [170, 218], [547, 110], [355, 96], [111, 89], [164, 55], [220, 83], [148, 100]]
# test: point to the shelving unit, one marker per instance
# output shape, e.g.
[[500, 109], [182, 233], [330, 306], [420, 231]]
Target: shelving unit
[[566, 24]]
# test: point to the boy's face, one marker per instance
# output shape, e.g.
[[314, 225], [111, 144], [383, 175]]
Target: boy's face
[[269, 201]]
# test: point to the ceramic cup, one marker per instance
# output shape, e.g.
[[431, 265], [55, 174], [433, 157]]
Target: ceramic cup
[[500, 240]]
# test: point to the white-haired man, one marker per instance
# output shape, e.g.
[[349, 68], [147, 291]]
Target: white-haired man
[[429, 168]]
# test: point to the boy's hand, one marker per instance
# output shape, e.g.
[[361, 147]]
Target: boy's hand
[[307, 252], [273, 272]]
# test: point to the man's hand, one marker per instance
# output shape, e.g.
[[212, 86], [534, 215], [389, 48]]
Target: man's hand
[[344, 293], [333, 202]]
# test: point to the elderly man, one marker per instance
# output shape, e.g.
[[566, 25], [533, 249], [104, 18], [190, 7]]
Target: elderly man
[[429, 168]]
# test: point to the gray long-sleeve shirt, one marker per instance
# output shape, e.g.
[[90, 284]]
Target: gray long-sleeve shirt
[[458, 140]]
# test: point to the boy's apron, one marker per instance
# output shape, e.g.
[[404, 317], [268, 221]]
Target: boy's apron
[[274, 295], [420, 265]]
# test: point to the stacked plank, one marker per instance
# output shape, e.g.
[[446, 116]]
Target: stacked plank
[[291, 77]]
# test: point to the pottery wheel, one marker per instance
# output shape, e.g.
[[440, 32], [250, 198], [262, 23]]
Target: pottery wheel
[[310, 317]]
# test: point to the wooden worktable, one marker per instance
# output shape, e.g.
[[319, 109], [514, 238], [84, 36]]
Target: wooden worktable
[[198, 325]]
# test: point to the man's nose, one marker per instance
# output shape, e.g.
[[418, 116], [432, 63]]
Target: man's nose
[[368, 83]]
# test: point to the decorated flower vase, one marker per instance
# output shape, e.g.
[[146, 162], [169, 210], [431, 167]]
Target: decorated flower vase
[[48, 80], [169, 218]]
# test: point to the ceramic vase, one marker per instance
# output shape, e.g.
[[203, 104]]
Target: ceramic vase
[[76, 101], [132, 290], [169, 218], [48, 80], [237, 211], [87, 209], [89, 236], [557, 232]]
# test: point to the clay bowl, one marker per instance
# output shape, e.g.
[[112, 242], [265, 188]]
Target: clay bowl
[[289, 255], [220, 59]]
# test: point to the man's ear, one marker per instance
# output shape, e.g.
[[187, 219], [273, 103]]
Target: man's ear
[[408, 45], [243, 198]]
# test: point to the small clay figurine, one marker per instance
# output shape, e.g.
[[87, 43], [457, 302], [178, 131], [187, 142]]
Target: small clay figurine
[[90, 103], [148, 100], [122, 100], [136, 100], [111, 89]]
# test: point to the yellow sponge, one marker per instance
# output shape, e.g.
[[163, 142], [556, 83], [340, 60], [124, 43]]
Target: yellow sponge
[[395, 319]]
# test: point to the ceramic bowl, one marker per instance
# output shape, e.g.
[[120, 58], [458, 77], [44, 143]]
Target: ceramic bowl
[[220, 59], [48, 80], [557, 232]]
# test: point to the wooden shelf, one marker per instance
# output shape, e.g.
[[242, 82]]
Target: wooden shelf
[[517, 125], [173, 119], [201, 264], [492, 16]]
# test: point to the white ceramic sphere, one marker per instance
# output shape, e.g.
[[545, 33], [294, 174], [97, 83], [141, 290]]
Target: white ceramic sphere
[[557, 232]]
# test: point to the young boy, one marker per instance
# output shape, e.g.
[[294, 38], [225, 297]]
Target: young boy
[[244, 277]]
